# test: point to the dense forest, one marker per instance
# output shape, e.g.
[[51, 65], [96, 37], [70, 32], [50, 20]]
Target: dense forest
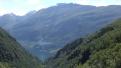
[[99, 50], [12, 55]]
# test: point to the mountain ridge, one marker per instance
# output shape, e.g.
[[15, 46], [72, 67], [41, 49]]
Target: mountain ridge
[[48, 30]]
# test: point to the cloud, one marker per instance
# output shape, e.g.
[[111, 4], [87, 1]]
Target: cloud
[[19, 7], [15, 11], [2, 11], [33, 2]]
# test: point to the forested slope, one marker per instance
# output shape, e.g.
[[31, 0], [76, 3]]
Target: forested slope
[[12, 55], [99, 50]]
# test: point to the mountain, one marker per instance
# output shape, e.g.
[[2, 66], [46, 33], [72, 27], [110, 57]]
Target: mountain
[[99, 50], [12, 55], [46, 31]]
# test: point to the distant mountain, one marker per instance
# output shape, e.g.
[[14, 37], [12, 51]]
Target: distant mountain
[[12, 55], [99, 50], [46, 31]]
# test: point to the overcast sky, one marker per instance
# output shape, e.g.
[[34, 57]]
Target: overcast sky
[[21, 7]]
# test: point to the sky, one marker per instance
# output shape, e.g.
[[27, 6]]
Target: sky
[[21, 7]]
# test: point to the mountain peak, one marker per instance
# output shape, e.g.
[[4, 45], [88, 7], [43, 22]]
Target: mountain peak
[[63, 4]]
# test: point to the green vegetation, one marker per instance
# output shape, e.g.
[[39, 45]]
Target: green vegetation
[[12, 55], [100, 50]]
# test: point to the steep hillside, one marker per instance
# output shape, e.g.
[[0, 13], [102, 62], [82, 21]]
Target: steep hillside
[[46, 31], [12, 55], [99, 50]]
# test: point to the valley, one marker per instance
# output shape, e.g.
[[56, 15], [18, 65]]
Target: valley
[[46, 31], [66, 35]]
